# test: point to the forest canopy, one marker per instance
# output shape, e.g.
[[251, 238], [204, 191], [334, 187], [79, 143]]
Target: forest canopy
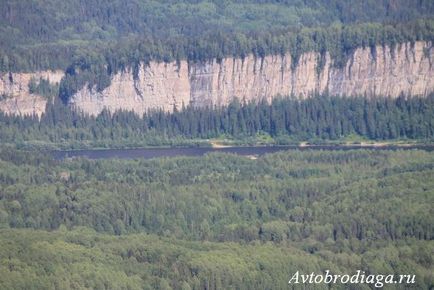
[[219, 221], [55, 34]]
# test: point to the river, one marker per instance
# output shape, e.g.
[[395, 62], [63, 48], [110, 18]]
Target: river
[[252, 151]]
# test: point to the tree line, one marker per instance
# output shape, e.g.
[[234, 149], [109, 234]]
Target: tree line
[[286, 120], [34, 36]]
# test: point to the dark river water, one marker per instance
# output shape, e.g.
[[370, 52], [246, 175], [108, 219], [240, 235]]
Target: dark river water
[[148, 153]]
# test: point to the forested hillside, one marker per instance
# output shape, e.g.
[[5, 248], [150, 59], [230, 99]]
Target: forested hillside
[[141, 73], [223, 221], [54, 34]]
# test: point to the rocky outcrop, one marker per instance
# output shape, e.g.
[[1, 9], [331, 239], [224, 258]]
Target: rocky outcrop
[[15, 97], [158, 85], [382, 71]]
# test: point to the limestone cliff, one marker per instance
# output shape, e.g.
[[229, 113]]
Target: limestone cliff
[[381, 71], [15, 97], [158, 85]]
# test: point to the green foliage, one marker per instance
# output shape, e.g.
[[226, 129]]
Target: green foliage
[[214, 222], [284, 121], [220, 221], [60, 32], [280, 195], [43, 88]]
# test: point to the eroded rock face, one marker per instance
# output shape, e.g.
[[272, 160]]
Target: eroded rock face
[[15, 96], [159, 85], [404, 69], [382, 71]]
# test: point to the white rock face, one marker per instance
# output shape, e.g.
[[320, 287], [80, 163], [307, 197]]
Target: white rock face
[[16, 96], [384, 71], [159, 85], [389, 72], [404, 69]]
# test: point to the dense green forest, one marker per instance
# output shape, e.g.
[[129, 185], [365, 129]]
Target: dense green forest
[[284, 121], [49, 34], [214, 222]]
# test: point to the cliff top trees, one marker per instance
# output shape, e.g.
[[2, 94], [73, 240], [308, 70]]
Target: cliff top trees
[[39, 34], [91, 40]]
